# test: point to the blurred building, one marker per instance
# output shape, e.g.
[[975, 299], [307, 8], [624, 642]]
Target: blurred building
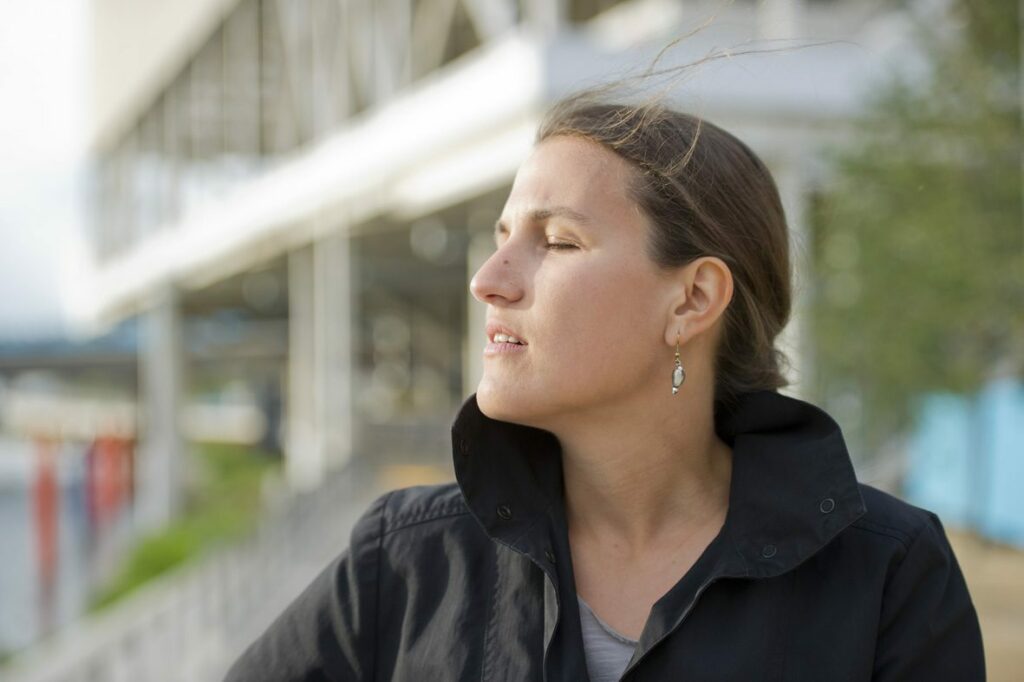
[[323, 176]]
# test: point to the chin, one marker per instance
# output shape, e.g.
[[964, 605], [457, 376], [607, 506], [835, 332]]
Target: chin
[[504, 405], [492, 402]]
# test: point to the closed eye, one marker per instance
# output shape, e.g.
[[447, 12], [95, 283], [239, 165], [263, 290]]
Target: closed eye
[[561, 245]]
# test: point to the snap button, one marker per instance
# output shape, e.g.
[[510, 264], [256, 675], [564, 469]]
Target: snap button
[[504, 511], [550, 555], [827, 505], [768, 551]]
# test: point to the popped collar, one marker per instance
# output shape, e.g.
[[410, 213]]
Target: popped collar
[[793, 489]]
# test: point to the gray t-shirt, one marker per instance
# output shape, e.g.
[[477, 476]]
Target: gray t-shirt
[[607, 652]]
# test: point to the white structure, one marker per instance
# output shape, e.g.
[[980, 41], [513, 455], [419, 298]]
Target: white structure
[[358, 147]]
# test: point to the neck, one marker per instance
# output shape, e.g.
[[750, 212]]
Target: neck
[[645, 472]]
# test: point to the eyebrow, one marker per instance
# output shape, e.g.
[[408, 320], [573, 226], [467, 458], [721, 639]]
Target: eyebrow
[[540, 215]]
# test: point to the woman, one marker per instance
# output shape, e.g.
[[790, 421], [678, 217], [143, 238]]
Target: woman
[[634, 500]]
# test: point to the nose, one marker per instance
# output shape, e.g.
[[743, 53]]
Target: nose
[[496, 281]]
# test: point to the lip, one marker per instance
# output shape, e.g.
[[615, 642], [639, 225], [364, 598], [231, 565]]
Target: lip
[[493, 348]]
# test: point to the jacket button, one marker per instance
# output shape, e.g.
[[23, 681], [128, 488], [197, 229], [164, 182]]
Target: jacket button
[[550, 555], [827, 505], [768, 551], [504, 511]]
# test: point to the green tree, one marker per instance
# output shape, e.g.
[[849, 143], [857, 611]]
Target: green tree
[[919, 243]]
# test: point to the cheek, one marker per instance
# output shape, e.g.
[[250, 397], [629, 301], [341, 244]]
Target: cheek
[[601, 316]]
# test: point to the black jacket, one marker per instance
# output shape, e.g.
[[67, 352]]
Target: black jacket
[[813, 577]]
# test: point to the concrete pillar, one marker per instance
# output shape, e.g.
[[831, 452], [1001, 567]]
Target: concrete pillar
[[302, 465], [335, 317], [779, 19], [545, 16], [319, 433], [797, 338], [161, 450]]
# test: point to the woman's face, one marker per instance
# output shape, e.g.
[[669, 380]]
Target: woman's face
[[571, 279]]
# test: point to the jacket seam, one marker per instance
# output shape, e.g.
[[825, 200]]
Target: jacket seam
[[415, 522], [892, 577], [515, 541], [376, 610], [884, 531], [488, 629]]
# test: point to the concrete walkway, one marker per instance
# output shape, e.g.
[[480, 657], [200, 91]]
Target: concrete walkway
[[995, 577]]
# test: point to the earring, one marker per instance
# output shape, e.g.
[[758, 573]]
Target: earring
[[678, 374]]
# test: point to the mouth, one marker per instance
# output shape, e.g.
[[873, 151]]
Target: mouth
[[500, 334], [503, 340]]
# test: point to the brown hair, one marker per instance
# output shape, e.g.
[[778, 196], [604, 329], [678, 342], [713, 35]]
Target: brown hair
[[706, 194]]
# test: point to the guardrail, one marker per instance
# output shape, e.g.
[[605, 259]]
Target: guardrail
[[191, 624]]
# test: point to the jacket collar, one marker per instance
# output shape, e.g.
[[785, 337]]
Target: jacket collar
[[793, 485]]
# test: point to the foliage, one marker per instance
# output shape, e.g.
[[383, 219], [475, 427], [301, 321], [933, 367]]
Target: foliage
[[919, 244], [224, 504]]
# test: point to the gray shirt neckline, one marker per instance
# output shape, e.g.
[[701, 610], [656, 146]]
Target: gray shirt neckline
[[607, 652]]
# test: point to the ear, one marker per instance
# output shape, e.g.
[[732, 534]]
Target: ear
[[704, 289]]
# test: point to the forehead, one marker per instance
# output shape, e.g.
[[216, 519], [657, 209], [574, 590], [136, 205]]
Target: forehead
[[574, 172]]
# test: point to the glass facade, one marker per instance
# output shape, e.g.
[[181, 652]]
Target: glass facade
[[273, 77]]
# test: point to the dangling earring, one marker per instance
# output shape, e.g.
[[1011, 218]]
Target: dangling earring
[[678, 374]]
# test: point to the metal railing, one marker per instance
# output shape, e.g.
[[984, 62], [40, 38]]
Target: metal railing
[[191, 624]]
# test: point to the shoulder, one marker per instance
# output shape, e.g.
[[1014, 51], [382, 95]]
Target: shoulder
[[412, 507], [412, 531], [422, 504], [898, 526], [927, 625]]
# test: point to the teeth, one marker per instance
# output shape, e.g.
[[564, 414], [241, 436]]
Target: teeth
[[505, 338]]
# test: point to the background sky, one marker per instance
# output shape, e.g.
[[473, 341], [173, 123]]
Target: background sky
[[43, 98]]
